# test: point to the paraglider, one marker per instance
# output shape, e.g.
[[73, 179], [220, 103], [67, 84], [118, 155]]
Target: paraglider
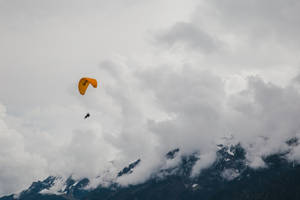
[[84, 83]]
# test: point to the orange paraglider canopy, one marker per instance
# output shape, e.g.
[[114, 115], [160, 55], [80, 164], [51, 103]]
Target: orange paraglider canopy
[[84, 83]]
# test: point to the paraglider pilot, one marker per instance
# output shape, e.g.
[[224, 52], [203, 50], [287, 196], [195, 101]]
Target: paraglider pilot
[[87, 115]]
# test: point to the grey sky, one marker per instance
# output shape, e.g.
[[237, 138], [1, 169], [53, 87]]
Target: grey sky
[[171, 74]]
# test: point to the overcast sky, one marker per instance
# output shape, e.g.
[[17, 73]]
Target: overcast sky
[[171, 74]]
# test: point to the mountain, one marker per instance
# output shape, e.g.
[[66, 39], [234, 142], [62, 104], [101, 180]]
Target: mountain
[[229, 178]]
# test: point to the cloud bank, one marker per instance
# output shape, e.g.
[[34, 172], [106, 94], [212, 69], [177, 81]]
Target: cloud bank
[[152, 112]]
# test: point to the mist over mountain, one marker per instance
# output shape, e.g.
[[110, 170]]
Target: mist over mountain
[[229, 177]]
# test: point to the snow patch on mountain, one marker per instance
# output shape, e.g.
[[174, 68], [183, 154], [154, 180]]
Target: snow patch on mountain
[[58, 187]]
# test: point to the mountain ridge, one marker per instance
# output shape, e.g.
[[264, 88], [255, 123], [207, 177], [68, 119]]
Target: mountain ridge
[[229, 177]]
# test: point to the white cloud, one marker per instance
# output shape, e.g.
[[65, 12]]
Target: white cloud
[[138, 113], [205, 161], [18, 166]]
